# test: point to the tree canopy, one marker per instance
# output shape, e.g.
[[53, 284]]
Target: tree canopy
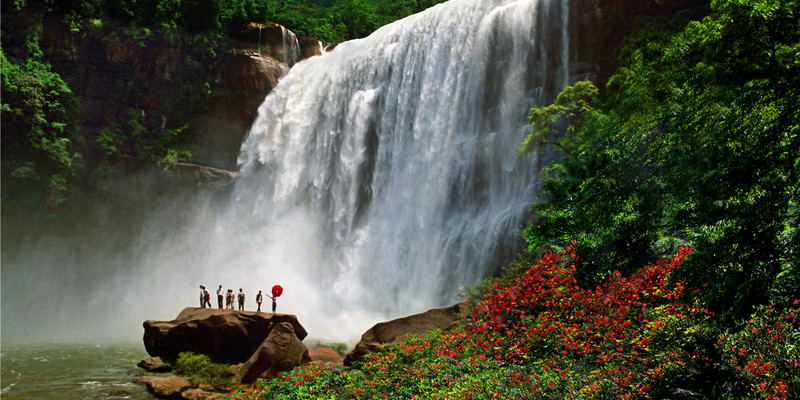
[[694, 142]]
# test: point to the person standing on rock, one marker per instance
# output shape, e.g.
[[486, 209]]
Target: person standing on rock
[[202, 296], [274, 302], [229, 300], [277, 290], [206, 298], [259, 299], [219, 297], [241, 300]]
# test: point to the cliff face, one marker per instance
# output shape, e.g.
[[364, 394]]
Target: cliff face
[[207, 87], [601, 27]]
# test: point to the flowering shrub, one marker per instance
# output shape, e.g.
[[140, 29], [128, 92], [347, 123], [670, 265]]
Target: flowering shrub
[[543, 336], [617, 340], [764, 355]]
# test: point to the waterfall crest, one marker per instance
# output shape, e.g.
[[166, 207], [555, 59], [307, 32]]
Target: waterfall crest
[[399, 151]]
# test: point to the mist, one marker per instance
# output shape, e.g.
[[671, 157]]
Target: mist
[[143, 254]]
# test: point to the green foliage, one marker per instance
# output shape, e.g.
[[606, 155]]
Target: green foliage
[[327, 20], [763, 356], [538, 337], [569, 107], [340, 348], [693, 142], [507, 275], [38, 146], [198, 368], [357, 16]]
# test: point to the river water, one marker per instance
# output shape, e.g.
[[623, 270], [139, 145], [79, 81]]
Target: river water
[[72, 371]]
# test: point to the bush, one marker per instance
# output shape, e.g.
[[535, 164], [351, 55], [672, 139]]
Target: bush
[[763, 356], [538, 336], [198, 368], [339, 348]]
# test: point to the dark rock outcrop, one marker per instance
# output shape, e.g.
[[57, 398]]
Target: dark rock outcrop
[[252, 71], [225, 336], [154, 364], [120, 74], [281, 351], [209, 174], [385, 334], [273, 40], [310, 47]]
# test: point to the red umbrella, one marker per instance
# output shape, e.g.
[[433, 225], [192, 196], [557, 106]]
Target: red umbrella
[[277, 290]]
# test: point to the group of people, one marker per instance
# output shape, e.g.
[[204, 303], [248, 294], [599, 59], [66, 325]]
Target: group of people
[[230, 297]]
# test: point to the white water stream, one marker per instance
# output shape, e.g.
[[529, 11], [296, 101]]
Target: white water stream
[[377, 181], [399, 153]]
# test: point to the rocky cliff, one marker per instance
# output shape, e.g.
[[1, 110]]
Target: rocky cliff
[[205, 87]]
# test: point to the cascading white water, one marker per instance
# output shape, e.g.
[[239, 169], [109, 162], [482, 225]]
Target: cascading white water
[[378, 180], [290, 48], [401, 150]]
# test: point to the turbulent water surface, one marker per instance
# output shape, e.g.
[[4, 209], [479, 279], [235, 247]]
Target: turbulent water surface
[[77, 371]]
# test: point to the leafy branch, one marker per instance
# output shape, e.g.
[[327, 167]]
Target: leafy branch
[[570, 107]]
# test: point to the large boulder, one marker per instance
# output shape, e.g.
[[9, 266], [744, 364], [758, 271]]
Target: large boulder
[[281, 351], [166, 386], [386, 334], [252, 71], [169, 386], [325, 355], [154, 364], [225, 336]]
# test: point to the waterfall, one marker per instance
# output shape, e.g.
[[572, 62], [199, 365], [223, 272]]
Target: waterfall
[[289, 47], [399, 153], [378, 180], [277, 42]]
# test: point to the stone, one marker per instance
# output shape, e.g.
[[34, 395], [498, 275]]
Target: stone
[[172, 386], [386, 334], [226, 336], [271, 39], [252, 71], [168, 386], [325, 355], [154, 364], [200, 394], [281, 351], [310, 47]]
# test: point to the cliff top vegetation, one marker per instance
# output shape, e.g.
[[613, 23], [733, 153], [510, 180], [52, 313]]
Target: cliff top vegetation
[[73, 119]]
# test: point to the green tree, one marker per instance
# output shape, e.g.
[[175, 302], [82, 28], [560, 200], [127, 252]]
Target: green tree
[[693, 142], [39, 153], [357, 16]]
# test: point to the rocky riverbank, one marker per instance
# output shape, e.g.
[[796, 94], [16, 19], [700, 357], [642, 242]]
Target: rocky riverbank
[[257, 345]]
